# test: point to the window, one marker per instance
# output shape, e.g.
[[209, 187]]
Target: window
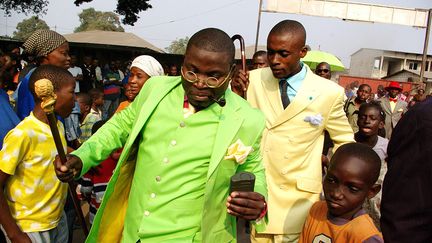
[[377, 63], [427, 66], [413, 66]]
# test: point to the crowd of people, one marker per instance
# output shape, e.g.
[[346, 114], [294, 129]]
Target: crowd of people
[[152, 150]]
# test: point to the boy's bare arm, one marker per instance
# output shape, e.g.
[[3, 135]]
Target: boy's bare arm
[[13, 232]]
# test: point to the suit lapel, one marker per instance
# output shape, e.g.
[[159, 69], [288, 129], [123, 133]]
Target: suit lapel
[[305, 96], [122, 178], [386, 103], [271, 87], [147, 108], [229, 124]]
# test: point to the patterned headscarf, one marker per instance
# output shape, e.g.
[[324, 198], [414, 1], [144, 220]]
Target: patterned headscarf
[[43, 42], [149, 65]]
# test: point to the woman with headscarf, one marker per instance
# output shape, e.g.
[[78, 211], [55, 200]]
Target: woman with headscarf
[[142, 68], [48, 47]]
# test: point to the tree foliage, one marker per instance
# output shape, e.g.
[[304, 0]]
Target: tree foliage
[[129, 9], [24, 6], [26, 27], [178, 46], [97, 20]]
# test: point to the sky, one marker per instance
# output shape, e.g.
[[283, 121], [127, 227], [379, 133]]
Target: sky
[[169, 20]]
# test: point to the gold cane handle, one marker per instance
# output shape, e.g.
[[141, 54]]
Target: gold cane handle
[[45, 91]]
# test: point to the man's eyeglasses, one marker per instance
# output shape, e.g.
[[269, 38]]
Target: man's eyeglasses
[[322, 70], [211, 82]]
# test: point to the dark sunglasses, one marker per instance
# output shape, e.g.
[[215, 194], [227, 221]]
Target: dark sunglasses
[[322, 70]]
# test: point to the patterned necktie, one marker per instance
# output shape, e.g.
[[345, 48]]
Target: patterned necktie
[[283, 85]]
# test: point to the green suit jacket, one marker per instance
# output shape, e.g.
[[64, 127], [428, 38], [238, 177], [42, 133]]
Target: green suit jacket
[[238, 121]]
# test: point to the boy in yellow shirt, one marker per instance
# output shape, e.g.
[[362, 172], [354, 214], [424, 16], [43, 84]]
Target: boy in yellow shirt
[[31, 196]]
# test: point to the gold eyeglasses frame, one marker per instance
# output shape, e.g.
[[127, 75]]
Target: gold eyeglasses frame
[[206, 81]]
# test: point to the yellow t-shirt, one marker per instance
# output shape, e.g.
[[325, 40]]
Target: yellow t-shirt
[[34, 194]]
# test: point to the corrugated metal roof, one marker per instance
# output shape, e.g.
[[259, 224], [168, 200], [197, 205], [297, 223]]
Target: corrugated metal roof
[[427, 75]]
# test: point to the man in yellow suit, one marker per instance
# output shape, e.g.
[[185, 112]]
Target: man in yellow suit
[[298, 106]]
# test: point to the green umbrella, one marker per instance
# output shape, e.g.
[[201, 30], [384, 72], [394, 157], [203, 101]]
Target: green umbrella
[[313, 58]]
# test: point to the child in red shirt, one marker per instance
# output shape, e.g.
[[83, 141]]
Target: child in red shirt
[[94, 182]]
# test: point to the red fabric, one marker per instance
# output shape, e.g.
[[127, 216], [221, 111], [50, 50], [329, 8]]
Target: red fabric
[[15, 78], [393, 85], [112, 90], [103, 172], [263, 212], [100, 176], [185, 102]]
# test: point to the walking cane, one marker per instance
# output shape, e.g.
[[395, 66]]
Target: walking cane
[[45, 91], [242, 54]]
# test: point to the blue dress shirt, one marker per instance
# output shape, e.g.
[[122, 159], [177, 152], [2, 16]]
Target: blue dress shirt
[[295, 82]]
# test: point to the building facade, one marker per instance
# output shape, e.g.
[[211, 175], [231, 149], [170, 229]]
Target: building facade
[[390, 65]]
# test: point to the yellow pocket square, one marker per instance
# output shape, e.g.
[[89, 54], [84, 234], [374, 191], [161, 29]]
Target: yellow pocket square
[[238, 152]]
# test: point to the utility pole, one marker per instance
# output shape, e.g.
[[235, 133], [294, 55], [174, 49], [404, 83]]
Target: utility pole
[[258, 25], [425, 51], [6, 25]]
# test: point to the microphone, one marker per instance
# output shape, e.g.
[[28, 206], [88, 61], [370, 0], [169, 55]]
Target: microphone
[[221, 101]]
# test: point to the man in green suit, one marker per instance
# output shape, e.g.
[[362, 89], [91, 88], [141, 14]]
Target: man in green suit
[[183, 138]]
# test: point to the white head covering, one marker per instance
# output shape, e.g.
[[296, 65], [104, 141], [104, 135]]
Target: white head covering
[[149, 65]]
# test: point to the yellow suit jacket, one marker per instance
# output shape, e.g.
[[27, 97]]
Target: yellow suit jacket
[[292, 147]]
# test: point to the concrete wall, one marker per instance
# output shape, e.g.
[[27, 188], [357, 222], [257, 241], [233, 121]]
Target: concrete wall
[[393, 65], [362, 63], [409, 57], [346, 80]]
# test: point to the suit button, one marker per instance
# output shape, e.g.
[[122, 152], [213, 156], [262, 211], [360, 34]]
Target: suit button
[[152, 195], [282, 187], [146, 213], [165, 160], [158, 178], [173, 142], [284, 172], [182, 124]]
